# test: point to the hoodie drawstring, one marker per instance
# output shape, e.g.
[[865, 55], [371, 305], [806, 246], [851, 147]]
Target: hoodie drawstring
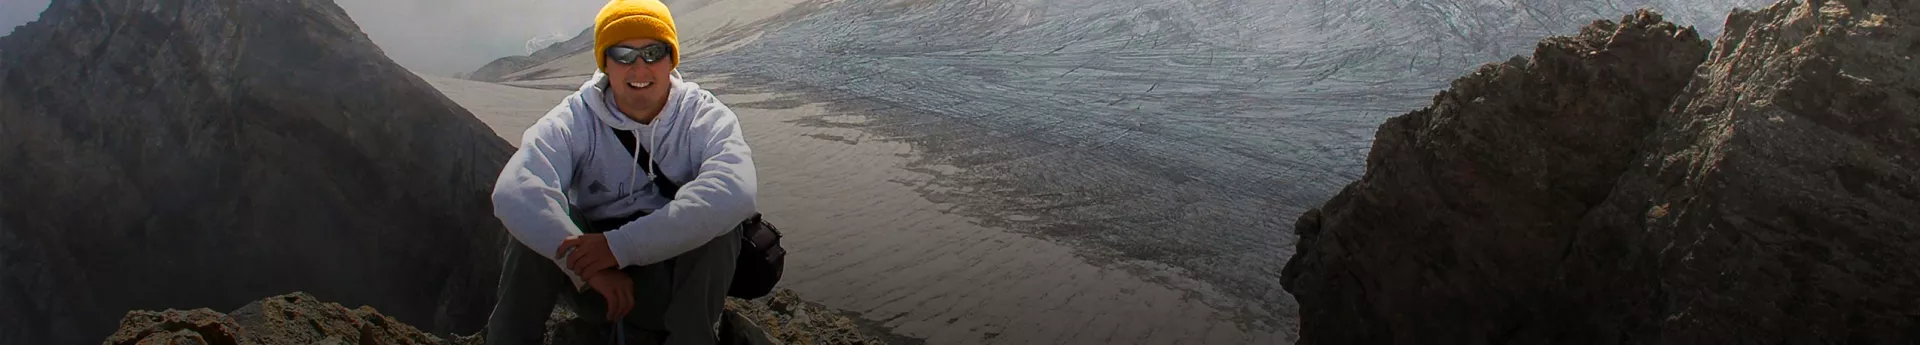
[[636, 158], [636, 161], [650, 164]]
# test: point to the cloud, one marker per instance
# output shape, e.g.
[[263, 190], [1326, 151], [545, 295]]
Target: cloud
[[16, 12], [444, 37], [440, 37]]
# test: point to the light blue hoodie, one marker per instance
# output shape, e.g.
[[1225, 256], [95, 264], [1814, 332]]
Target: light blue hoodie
[[695, 139]]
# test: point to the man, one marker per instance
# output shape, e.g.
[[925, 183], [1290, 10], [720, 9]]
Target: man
[[661, 269]]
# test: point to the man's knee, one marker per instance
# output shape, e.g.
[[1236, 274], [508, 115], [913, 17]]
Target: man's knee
[[710, 266], [529, 286]]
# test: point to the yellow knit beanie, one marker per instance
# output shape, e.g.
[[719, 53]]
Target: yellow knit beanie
[[623, 20]]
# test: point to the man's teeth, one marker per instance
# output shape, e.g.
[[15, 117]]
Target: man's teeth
[[639, 85]]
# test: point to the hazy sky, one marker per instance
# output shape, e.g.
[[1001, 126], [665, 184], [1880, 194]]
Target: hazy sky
[[430, 36], [450, 36], [16, 12]]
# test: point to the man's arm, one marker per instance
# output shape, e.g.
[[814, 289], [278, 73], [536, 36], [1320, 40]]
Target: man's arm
[[714, 202], [529, 197]]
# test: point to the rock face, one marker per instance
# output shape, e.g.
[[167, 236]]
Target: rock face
[[296, 318], [790, 320], [200, 153], [494, 71], [1608, 190], [299, 318]]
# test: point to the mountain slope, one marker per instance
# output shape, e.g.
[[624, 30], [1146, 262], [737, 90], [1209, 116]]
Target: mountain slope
[[201, 153], [493, 71], [1769, 200]]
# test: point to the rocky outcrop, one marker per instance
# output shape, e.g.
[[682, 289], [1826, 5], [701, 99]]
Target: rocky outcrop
[[499, 68], [296, 318], [200, 152], [1608, 190], [299, 318], [789, 320]]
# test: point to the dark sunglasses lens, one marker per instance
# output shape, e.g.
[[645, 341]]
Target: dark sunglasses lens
[[653, 52], [622, 54]]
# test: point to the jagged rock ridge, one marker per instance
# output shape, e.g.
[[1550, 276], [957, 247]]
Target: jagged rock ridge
[[494, 71], [300, 318], [202, 153], [1608, 190]]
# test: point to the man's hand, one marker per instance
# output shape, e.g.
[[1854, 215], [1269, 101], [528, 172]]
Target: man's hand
[[590, 253], [616, 288]]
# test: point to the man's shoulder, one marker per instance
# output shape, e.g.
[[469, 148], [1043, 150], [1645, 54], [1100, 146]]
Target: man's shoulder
[[563, 119], [702, 103], [569, 111]]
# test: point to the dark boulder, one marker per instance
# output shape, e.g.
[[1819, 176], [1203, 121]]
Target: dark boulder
[[1608, 190]]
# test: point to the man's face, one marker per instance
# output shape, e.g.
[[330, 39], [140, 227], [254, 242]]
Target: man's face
[[640, 88]]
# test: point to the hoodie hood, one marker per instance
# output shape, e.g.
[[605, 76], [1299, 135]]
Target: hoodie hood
[[593, 96]]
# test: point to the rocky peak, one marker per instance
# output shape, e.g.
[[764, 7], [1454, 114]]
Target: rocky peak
[[300, 318], [1631, 185], [203, 152], [500, 68]]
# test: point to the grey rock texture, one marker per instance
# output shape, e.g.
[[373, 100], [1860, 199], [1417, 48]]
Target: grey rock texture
[[300, 318], [295, 318], [787, 319], [1608, 191], [1488, 176], [164, 154]]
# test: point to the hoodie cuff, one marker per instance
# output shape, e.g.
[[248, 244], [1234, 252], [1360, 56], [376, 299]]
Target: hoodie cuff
[[622, 243], [579, 283]]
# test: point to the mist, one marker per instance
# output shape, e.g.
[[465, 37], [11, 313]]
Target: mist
[[445, 37], [439, 37], [16, 12]]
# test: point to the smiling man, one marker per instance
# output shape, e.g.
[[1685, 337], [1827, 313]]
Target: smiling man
[[584, 196]]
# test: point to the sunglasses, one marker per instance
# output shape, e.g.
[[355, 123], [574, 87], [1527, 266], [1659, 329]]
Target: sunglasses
[[650, 53]]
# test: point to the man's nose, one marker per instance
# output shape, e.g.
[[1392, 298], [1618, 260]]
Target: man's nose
[[634, 73]]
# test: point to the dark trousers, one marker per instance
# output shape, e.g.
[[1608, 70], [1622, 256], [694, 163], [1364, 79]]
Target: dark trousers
[[675, 302]]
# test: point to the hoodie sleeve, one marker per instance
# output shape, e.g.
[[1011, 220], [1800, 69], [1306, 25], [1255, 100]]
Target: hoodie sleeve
[[529, 198], [719, 197]]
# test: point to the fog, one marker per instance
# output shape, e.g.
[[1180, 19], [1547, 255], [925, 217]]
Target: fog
[[16, 12], [441, 37], [453, 36]]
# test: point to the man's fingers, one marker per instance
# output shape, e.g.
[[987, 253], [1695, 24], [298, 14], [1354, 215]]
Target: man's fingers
[[613, 306], [612, 297], [626, 302], [568, 244], [613, 303], [600, 263], [578, 263], [588, 263]]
